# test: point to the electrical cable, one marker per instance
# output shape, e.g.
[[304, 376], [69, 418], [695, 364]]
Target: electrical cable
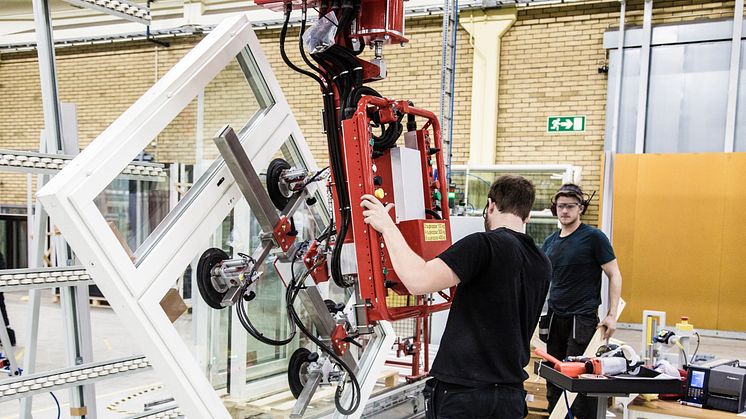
[[314, 177], [57, 402], [301, 47], [333, 144], [683, 352], [291, 293], [330, 62], [432, 213], [243, 317], [567, 403], [694, 355], [283, 35]]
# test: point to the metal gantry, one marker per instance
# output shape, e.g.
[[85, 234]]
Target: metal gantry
[[79, 375], [50, 164], [448, 76]]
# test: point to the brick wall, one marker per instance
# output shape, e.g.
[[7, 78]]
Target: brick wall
[[104, 80], [549, 64]]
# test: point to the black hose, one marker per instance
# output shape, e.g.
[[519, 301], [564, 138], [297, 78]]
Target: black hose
[[243, 317], [290, 295], [283, 35], [301, 48], [433, 214]]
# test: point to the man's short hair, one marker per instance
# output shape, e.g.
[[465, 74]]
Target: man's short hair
[[513, 194]]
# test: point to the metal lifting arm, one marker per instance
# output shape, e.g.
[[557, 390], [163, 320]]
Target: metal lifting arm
[[363, 132]]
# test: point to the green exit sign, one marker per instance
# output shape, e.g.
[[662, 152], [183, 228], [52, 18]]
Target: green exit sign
[[566, 124]]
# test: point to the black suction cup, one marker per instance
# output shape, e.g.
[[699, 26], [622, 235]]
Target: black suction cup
[[278, 193], [298, 369], [212, 296]]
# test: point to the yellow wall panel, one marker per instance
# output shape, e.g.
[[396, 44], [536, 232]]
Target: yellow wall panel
[[677, 224], [732, 307], [623, 234]]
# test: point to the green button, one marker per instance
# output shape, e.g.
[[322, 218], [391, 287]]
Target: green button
[[436, 194]]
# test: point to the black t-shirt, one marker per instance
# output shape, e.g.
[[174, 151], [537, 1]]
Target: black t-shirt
[[576, 276], [504, 281]]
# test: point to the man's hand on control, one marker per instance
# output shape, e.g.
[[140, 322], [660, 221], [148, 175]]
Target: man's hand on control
[[609, 324], [376, 214]]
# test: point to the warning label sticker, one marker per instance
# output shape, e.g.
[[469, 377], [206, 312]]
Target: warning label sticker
[[435, 232]]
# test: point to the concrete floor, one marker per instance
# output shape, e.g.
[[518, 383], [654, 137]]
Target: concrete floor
[[111, 341]]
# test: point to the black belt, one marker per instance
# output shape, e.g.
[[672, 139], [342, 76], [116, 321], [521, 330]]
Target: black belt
[[453, 386]]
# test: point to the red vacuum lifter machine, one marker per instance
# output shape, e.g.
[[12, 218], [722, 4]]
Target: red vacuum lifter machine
[[375, 147]]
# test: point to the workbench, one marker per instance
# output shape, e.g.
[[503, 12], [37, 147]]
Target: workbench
[[603, 389], [663, 409]]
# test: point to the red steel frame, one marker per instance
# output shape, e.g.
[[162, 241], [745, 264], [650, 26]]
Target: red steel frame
[[381, 22], [357, 151]]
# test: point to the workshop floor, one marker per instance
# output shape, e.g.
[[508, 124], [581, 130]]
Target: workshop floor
[[123, 397]]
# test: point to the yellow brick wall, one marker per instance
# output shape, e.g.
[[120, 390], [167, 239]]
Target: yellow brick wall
[[549, 62], [104, 80], [413, 73], [548, 66]]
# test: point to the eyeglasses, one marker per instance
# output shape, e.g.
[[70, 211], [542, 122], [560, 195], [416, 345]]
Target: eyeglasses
[[567, 206], [484, 211]]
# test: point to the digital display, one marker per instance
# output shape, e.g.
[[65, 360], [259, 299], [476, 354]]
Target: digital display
[[698, 379]]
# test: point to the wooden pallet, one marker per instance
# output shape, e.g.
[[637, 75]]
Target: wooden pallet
[[92, 301], [536, 388], [280, 405]]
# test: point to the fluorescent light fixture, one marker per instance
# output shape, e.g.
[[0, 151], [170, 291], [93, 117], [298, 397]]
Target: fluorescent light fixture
[[119, 8]]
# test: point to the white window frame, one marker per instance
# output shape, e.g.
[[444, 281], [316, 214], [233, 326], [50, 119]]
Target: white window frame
[[135, 290]]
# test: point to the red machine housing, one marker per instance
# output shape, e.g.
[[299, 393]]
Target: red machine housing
[[381, 21], [427, 237], [377, 21]]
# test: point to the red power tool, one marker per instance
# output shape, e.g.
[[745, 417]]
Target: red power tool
[[570, 369]]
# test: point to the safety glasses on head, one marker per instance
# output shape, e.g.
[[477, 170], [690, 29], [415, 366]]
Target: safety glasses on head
[[573, 191]]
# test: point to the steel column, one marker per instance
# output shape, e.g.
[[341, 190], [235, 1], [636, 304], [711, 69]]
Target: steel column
[[735, 64], [642, 93], [618, 82], [47, 72]]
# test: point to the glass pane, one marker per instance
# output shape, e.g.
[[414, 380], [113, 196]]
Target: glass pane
[[472, 189], [741, 109], [208, 330], [134, 207], [237, 96], [630, 87], [687, 98], [540, 228], [268, 311], [13, 241], [205, 330]]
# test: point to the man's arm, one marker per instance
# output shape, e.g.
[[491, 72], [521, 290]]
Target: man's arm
[[419, 276], [611, 269]]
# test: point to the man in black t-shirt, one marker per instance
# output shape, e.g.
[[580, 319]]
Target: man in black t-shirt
[[578, 253], [502, 279]]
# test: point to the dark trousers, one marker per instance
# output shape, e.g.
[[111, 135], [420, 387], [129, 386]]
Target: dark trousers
[[570, 336], [451, 401]]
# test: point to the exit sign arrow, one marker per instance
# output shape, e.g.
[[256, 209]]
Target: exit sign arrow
[[566, 124]]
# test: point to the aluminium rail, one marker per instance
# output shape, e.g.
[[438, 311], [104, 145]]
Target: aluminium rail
[[50, 164], [44, 382]]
